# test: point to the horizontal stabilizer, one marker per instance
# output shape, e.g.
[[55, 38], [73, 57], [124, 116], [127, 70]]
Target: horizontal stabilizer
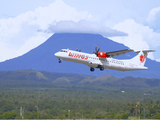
[[145, 51]]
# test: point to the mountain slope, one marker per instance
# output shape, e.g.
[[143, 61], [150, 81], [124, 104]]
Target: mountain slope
[[24, 78], [42, 58]]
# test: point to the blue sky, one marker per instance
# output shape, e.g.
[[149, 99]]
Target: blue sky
[[26, 24]]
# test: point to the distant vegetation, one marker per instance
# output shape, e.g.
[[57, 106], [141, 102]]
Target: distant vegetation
[[32, 78], [76, 96]]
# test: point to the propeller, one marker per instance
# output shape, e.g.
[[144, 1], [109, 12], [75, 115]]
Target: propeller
[[76, 49], [96, 51], [79, 50]]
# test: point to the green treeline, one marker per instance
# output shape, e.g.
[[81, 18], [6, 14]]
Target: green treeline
[[77, 103]]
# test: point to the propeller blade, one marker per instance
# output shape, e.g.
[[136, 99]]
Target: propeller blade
[[96, 49], [99, 49]]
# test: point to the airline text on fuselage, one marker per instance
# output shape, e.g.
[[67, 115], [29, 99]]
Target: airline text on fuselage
[[75, 55]]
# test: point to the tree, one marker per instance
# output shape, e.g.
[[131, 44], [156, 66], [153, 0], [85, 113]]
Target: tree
[[1, 117], [9, 115], [156, 116], [48, 116], [34, 116], [8, 107]]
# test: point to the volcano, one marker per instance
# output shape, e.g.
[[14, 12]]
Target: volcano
[[42, 57]]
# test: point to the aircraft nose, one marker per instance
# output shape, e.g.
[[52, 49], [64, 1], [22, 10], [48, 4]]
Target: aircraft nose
[[56, 54]]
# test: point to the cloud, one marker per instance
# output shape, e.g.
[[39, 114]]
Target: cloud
[[84, 26], [139, 36], [152, 14], [22, 33], [26, 31], [154, 18], [158, 60]]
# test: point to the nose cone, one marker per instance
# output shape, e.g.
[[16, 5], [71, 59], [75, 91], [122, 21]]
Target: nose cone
[[56, 54]]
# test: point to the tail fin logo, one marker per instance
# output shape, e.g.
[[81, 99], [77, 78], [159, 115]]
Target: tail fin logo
[[142, 58]]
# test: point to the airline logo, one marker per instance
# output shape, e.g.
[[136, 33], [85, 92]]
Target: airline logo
[[75, 55], [142, 58]]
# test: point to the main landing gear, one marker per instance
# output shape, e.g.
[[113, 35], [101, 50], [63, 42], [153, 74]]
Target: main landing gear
[[92, 69], [100, 67]]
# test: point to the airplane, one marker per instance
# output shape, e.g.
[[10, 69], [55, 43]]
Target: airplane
[[105, 60]]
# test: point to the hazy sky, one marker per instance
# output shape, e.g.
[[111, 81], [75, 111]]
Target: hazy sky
[[26, 24]]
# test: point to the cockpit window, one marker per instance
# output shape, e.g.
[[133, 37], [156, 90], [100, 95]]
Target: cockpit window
[[63, 51]]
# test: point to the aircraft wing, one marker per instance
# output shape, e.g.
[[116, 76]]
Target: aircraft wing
[[119, 52]]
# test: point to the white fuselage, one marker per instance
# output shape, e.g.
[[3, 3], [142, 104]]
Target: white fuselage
[[92, 60]]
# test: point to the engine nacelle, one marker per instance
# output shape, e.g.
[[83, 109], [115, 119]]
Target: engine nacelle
[[102, 54]]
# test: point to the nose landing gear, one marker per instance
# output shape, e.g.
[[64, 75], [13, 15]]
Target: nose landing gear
[[60, 61]]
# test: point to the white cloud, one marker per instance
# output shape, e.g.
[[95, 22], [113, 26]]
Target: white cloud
[[152, 14], [154, 18], [84, 26], [139, 36], [158, 60], [20, 34], [24, 32]]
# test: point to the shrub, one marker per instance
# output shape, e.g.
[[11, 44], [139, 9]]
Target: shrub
[[118, 117], [124, 116], [9, 115]]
